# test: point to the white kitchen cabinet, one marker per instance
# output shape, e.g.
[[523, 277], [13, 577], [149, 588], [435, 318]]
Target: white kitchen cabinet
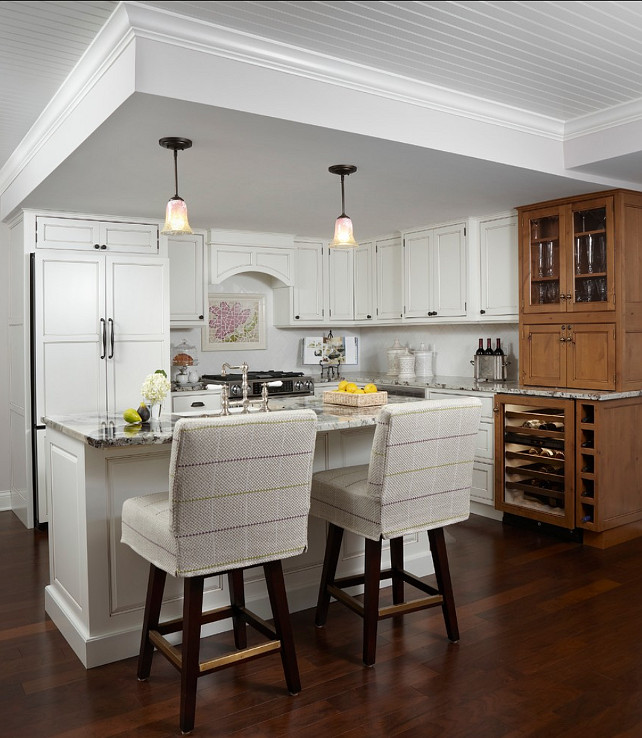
[[498, 267], [483, 486], [364, 280], [388, 279], [304, 302], [435, 284], [101, 325], [340, 285], [187, 279], [77, 234]]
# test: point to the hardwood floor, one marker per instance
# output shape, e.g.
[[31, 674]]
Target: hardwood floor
[[551, 645]]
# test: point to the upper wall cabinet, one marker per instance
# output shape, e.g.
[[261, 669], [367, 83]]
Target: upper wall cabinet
[[435, 272], [340, 285], [304, 303], [187, 279], [74, 234], [236, 252], [498, 267], [364, 280], [388, 278]]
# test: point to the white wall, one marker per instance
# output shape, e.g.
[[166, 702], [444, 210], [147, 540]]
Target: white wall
[[5, 440], [454, 345]]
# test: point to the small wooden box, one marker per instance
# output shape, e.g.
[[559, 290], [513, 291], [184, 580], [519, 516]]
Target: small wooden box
[[351, 400]]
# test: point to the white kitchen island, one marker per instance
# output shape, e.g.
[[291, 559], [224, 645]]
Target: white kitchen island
[[97, 585]]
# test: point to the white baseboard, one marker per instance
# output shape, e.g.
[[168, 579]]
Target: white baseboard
[[5, 500]]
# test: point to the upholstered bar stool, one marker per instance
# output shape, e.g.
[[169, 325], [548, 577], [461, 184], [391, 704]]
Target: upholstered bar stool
[[419, 478], [239, 497]]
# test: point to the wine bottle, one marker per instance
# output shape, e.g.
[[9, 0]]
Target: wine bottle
[[499, 351], [489, 348], [587, 518], [480, 349]]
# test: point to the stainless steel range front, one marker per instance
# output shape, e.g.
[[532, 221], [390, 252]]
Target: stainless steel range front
[[279, 383]]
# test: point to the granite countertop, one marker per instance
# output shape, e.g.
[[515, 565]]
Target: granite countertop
[[469, 384], [111, 431]]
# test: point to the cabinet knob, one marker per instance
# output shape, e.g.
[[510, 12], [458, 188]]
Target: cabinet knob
[[201, 317], [296, 317], [103, 246], [483, 312], [369, 317], [96, 246]]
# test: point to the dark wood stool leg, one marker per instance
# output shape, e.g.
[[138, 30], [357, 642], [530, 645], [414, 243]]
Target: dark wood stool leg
[[237, 600], [444, 584], [192, 615], [153, 602], [330, 560], [396, 563], [371, 600], [279, 602]]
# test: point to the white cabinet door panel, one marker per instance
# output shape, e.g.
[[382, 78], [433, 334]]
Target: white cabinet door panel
[[137, 297], [449, 277], [132, 362], [186, 279], [308, 281], [363, 281], [417, 272], [389, 276], [72, 379], [341, 284], [499, 266]]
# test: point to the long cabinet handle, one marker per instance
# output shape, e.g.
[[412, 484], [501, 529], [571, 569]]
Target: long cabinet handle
[[111, 338], [103, 337]]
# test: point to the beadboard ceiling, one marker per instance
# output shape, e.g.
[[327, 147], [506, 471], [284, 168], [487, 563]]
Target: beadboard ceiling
[[558, 61]]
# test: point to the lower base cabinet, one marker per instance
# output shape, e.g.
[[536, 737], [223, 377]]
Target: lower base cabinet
[[571, 463]]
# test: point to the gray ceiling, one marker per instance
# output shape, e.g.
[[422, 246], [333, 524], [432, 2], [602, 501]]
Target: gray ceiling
[[558, 59]]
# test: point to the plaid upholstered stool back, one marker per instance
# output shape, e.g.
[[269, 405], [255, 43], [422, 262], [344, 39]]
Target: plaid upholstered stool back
[[240, 489]]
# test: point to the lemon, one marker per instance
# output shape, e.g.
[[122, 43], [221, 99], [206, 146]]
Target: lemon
[[359, 391], [342, 386], [370, 388], [131, 416], [351, 387]]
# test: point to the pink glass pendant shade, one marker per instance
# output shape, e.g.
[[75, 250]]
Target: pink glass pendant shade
[[343, 234], [176, 222]]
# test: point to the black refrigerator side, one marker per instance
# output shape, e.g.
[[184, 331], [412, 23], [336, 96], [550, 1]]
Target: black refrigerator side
[[37, 429]]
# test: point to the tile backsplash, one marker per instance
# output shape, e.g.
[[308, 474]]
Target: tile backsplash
[[454, 345]]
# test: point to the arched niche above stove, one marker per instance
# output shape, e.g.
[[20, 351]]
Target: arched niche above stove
[[238, 252]]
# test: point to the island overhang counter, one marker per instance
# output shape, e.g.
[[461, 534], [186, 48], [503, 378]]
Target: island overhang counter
[[97, 585]]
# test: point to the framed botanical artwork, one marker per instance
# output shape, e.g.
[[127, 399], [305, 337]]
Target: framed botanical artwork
[[235, 322]]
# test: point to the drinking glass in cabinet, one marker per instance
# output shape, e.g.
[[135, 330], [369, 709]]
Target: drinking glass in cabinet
[[580, 255], [580, 221], [599, 252], [601, 289], [552, 292], [549, 259]]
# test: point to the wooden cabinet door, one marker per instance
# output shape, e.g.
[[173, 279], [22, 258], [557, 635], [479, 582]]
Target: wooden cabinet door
[[543, 261], [590, 356], [591, 259], [543, 355]]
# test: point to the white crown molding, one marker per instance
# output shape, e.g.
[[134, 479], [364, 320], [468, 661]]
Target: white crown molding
[[104, 51], [603, 120], [169, 27]]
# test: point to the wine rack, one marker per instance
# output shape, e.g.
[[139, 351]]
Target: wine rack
[[536, 445], [586, 483]]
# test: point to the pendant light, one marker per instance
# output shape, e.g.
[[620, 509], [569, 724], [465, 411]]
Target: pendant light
[[343, 235], [176, 222]]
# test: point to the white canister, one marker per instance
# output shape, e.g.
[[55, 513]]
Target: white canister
[[393, 354], [423, 361], [406, 366]]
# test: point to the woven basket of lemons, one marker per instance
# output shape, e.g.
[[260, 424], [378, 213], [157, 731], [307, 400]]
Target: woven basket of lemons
[[348, 393]]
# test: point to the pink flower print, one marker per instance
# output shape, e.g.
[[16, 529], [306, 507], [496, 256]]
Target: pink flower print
[[227, 318]]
